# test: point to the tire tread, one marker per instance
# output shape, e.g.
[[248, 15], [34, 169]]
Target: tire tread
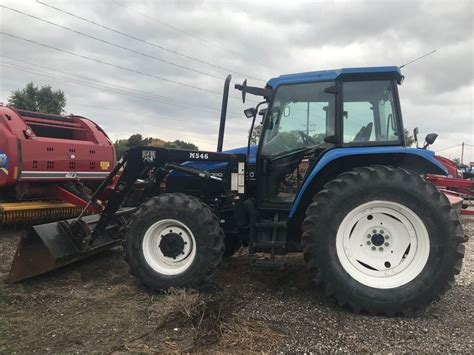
[[340, 188]]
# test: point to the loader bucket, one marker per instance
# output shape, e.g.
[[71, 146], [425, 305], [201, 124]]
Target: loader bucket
[[47, 247]]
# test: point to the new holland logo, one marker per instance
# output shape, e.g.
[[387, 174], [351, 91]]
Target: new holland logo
[[148, 156]]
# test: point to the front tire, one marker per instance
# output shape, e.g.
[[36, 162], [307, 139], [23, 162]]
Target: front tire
[[173, 240], [382, 240]]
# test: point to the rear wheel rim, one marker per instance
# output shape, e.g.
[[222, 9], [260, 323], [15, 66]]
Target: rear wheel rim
[[169, 247], [382, 244]]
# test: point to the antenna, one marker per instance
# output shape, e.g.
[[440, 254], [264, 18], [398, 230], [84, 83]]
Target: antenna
[[414, 60]]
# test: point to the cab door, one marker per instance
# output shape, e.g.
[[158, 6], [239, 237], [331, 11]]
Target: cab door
[[300, 117]]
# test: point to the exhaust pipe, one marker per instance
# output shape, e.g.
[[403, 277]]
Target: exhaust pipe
[[225, 99]]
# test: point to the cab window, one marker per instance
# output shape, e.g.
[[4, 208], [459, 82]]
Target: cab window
[[302, 115], [369, 112]]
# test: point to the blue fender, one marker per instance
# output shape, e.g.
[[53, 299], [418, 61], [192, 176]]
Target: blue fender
[[338, 153]]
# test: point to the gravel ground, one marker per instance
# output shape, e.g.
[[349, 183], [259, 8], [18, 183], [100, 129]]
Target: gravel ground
[[95, 306]]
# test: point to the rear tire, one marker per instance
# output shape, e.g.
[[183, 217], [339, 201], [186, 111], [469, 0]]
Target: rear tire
[[346, 246], [173, 240]]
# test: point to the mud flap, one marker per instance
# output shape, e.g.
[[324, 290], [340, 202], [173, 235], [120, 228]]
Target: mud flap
[[47, 247]]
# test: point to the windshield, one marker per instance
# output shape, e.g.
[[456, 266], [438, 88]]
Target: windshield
[[302, 115]]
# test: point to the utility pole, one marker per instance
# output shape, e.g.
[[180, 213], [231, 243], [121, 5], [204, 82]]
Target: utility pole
[[462, 153]]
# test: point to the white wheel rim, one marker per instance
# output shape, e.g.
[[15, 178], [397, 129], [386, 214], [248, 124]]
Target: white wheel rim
[[382, 244], [160, 258]]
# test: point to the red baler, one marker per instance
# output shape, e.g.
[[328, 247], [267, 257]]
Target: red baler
[[48, 163]]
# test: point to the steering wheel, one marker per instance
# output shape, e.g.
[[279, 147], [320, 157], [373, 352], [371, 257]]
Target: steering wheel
[[307, 139], [277, 145]]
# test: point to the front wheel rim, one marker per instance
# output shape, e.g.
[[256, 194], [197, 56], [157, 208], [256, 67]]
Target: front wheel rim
[[382, 244], [169, 247]]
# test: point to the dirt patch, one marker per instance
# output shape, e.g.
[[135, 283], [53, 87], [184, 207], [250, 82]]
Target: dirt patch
[[191, 321], [95, 305]]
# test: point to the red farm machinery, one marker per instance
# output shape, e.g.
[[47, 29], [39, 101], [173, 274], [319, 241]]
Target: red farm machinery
[[457, 182], [49, 164]]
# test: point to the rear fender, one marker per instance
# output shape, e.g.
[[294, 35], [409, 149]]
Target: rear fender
[[339, 160]]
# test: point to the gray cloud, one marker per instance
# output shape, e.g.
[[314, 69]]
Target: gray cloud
[[270, 37]]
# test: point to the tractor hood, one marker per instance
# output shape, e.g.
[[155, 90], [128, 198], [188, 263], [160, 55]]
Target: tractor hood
[[213, 166]]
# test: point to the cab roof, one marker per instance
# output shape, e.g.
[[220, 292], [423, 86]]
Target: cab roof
[[387, 72]]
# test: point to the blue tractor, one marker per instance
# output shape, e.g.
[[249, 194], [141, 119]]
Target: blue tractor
[[331, 176]]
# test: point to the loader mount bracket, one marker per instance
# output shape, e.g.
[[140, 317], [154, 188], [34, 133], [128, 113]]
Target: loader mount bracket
[[78, 231]]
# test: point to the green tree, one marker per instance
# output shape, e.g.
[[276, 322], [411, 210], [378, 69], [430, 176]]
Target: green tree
[[137, 140], [409, 139], [43, 99], [121, 145], [157, 142], [177, 144]]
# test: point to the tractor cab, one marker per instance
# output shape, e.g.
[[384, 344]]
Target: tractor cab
[[311, 113]]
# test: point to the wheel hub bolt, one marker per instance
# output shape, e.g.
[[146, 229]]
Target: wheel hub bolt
[[368, 236], [386, 237], [381, 231], [374, 231], [368, 242], [386, 244], [381, 248], [373, 248]]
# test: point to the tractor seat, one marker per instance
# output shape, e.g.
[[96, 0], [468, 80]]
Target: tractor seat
[[364, 134]]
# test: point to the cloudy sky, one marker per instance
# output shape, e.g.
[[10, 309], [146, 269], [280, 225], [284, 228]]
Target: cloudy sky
[[170, 87]]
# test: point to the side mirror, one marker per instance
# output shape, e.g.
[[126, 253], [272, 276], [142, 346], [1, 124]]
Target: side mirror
[[430, 139], [415, 136], [250, 112]]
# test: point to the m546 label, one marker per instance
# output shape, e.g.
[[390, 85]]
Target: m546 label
[[197, 155]]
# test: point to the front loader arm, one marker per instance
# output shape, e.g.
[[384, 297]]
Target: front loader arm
[[137, 161], [133, 169]]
